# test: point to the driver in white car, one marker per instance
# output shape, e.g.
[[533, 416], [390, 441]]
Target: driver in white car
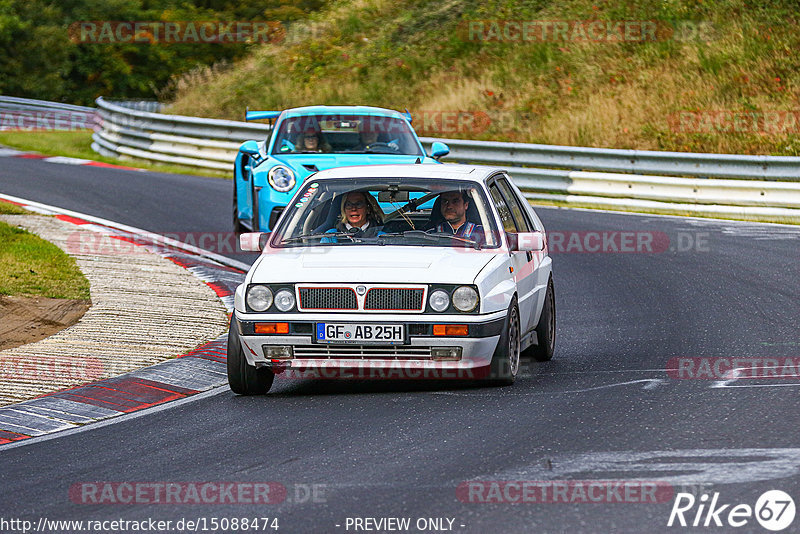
[[454, 206]]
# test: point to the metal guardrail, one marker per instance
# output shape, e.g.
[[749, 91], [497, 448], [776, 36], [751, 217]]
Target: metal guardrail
[[27, 114], [627, 161], [719, 184], [175, 139], [716, 184]]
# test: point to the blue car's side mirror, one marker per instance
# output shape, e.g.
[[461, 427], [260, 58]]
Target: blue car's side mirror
[[251, 149], [439, 150]]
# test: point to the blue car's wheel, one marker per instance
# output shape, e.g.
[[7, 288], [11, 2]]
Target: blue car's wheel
[[238, 228]]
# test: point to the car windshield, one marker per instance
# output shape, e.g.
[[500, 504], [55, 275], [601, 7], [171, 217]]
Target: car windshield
[[388, 211], [346, 134]]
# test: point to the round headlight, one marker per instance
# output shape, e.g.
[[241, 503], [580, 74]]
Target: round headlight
[[465, 299], [281, 178], [259, 298], [284, 300], [439, 300]]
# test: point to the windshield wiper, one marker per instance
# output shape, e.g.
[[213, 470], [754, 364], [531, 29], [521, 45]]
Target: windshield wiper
[[434, 236]]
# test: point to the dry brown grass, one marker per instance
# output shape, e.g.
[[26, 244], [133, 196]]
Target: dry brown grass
[[378, 52]]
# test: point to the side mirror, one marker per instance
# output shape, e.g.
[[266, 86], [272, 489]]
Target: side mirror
[[527, 241], [439, 150], [253, 241], [251, 149]]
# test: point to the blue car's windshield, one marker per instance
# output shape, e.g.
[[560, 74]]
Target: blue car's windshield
[[345, 134]]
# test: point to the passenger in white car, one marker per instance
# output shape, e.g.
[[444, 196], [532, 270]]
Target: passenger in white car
[[360, 216]]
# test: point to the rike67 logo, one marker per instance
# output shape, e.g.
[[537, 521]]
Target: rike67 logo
[[774, 510]]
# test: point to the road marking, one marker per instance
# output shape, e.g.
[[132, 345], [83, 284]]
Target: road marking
[[167, 383], [156, 238], [685, 466], [650, 383], [118, 419], [699, 221], [736, 375], [67, 160]]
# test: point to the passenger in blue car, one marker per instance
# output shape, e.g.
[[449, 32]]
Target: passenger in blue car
[[454, 207], [311, 140], [360, 216]]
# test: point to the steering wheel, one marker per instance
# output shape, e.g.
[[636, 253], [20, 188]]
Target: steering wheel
[[390, 146]]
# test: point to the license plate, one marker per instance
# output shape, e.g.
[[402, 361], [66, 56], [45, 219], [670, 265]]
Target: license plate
[[360, 333]]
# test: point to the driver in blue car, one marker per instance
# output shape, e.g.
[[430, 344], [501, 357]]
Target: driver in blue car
[[369, 136], [360, 217], [454, 206]]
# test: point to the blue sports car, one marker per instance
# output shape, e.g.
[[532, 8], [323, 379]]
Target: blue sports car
[[309, 139]]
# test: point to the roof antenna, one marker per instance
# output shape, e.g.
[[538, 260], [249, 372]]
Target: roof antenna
[[418, 161]]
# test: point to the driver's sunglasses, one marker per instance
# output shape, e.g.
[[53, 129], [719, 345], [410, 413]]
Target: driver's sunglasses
[[354, 205], [310, 136]]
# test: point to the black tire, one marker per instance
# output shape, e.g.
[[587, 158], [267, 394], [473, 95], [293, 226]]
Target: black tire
[[238, 228], [505, 360], [243, 378], [546, 329]]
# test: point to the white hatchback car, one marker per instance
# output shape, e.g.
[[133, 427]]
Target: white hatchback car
[[415, 271]]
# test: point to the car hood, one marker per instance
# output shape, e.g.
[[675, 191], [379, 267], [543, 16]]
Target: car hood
[[302, 162], [371, 264]]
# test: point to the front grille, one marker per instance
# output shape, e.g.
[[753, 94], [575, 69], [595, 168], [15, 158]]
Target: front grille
[[380, 298], [362, 352], [328, 298]]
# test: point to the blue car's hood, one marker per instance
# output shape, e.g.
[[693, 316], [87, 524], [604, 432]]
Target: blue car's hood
[[328, 161]]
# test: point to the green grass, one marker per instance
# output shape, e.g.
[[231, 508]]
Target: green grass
[[6, 208], [78, 144], [31, 266]]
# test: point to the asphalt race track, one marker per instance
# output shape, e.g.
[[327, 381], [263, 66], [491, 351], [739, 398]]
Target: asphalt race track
[[605, 409]]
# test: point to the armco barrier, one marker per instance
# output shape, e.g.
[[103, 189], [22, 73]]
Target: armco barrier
[[711, 184], [192, 141], [27, 114], [628, 161]]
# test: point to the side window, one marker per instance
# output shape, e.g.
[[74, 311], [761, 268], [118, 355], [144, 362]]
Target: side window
[[517, 210], [502, 208]]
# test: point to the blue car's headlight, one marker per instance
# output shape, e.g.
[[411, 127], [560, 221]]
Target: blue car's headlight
[[281, 178]]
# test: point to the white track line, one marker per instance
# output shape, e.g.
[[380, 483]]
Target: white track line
[[157, 238]]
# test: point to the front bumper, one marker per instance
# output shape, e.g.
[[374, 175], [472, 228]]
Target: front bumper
[[419, 356]]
